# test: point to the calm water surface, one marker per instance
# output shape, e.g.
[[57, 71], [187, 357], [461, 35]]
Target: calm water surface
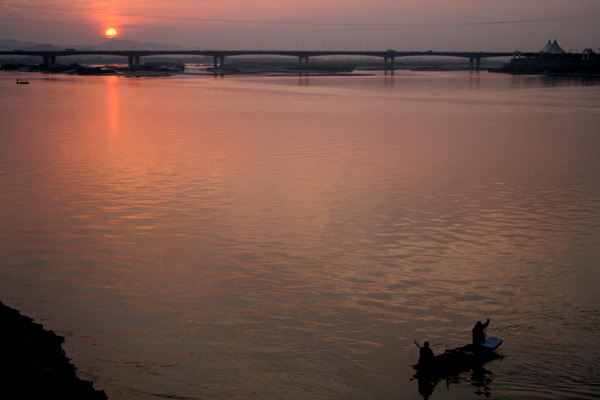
[[289, 237]]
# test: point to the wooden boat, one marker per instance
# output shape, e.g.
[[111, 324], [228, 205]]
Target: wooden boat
[[460, 358], [20, 82]]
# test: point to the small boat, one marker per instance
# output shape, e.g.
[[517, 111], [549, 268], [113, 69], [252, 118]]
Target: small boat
[[20, 82], [460, 358]]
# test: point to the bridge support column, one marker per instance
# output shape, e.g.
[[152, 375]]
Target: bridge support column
[[475, 63], [303, 57], [391, 66], [217, 60], [50, 61], [134, 61]]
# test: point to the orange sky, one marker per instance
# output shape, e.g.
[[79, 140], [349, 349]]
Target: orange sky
[[503, 25]]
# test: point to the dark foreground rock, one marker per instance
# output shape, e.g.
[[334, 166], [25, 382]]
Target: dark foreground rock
[[33, 364]]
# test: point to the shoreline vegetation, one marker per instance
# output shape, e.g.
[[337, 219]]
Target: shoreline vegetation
[[34, 364]]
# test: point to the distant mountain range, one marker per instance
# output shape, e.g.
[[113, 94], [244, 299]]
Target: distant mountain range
[[113, 44], [11, 44]]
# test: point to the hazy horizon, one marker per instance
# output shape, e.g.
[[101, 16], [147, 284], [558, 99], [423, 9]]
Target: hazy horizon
[[444, 25]]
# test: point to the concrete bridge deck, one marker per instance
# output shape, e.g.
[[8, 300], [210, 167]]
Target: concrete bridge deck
[[49, 56]]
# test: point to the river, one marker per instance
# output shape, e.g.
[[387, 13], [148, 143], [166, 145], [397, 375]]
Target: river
[[267, 237]]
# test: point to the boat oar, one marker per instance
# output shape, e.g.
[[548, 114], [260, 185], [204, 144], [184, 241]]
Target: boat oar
[[416, 344]]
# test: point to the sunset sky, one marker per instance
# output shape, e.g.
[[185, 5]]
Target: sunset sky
[[496, 25]]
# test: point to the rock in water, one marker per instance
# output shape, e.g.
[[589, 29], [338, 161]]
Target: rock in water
[[33, 364]]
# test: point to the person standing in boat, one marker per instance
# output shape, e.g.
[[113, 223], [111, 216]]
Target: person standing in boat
[[425, 356], [479, 332]]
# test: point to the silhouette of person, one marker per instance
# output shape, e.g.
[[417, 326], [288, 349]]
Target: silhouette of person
[[479, 333], [425, 356]]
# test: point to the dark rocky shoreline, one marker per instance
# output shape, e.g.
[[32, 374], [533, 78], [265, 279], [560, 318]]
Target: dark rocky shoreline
[[34, 364]]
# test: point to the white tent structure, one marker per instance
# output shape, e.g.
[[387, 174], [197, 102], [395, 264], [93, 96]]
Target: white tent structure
[[552, 48], [547, 46]]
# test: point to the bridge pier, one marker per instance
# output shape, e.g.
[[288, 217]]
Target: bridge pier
[[134, 61], [391, 67], [217, 60], [476, 61], [303, 57], [50, 60]]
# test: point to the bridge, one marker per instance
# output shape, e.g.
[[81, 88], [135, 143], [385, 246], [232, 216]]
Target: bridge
[[49, 56]]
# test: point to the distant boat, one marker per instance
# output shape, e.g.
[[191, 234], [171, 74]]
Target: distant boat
[[20, 82]]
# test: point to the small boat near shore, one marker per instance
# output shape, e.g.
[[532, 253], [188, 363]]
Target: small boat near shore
[[460, 358], [22, 82]]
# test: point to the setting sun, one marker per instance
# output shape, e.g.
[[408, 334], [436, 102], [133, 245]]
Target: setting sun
[[111, 32]]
